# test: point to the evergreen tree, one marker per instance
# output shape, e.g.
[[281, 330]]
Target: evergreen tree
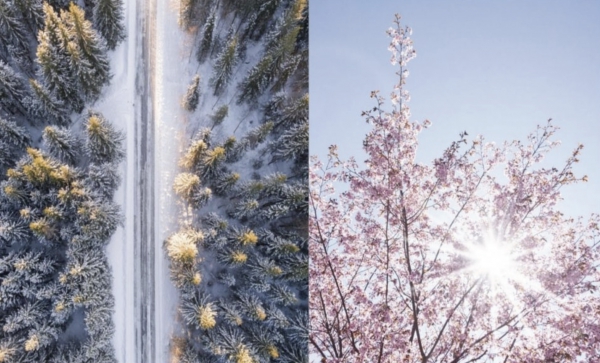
[[224, 65], [258, 21], [256, 81], [198, 312], [54, 61], [194, 154], [108, 20], [186, 185], [92, 50], [12, 89], [45, 105], [31, 11], [186, 13], [13, 134], [11, 29], [104, 143], [61, 144], [207, 38], [192, 96], [225, 182], [292, 144], [211, 161], [103, 179], [220, 115]]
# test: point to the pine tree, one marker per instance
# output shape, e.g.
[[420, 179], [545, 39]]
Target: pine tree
[[220, 115], [11, 29], [108, 20], [186, 185], [225, 182], [103, 179], [194, 154], [182, 246], [31, 11], [294, 113], [256, 81], [186, 13], [198, 312], [13, 134], [224, 65], [192, 96], [54, 61], [92, 50], [12, 89], [104, 144], [207, 38], [259, 20], [44, 105], [61, 144], [211, 161], [293, 144]]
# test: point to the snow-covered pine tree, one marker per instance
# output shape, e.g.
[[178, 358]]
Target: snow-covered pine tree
[[55, 70], [198, 312], [207, 37], [13, 135], [192, 96], [61, 144], [256, 81], [32, 13], [225, 182], [91, 48], [194, 154], [293, 144], [12, 90], [211, 161], [187, 8], [12, 31], [44, 105], [224, 65], [218, 117], [108, 20], [185, 185], [259, 19], [103, 143], [103, 179]]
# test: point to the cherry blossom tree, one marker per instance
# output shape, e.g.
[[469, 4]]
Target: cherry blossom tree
[[452, 261]]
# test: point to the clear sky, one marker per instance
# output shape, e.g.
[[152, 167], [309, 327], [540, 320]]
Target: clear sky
[[495, 68]]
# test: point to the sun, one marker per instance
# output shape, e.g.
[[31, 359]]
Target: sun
[[492, 259]]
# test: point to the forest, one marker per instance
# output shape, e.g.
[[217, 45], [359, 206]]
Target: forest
[[58, 159], [240, 257]]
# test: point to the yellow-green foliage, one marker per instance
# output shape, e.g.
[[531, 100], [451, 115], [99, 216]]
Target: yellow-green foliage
[[182, 246], [206, 317], [213, 157], [193, 154], [239, 257], [185, 184], [242, 355], [248, 238]]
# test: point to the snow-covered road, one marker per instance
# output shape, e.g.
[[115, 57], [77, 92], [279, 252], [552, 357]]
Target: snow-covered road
[[150, 73]]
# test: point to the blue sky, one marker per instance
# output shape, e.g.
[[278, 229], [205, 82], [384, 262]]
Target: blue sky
[[495, 68]]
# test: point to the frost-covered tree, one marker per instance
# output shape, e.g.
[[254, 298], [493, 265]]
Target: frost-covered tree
[[12, 30], [192, 96], [103, 142], [12, 90], [108, 20], [224, 65], [259, 19], [61, 144], [45, 105], [220, 115], [293, 144], [91, 49], [447, 261], [194, 154], [206, 43]]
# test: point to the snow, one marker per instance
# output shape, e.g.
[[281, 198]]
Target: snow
[[118, 106]]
